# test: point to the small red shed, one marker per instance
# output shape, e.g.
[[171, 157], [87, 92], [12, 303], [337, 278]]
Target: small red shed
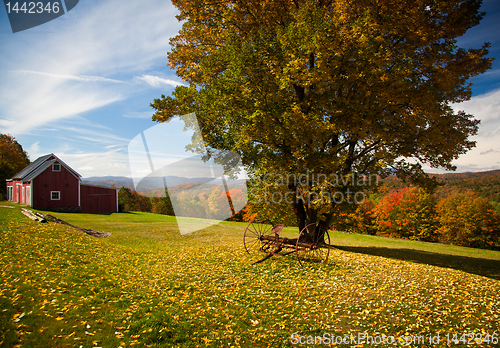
[[49, 183]]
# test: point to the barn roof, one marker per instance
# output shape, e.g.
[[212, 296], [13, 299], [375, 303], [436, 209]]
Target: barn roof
[[39, 165]]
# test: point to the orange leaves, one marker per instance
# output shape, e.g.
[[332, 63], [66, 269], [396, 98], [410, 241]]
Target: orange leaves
[[468, 220], [408, 213]]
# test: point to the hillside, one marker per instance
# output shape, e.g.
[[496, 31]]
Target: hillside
[[110, 181], [146, 285], [154, 184], [484, 184]]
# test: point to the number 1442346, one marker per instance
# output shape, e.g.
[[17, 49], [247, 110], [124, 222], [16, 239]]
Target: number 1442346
[[32, 7]]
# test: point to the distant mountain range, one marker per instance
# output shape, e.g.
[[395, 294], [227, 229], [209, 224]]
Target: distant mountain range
[[110, 181], [486, 184], [451, 177], [149, 183]]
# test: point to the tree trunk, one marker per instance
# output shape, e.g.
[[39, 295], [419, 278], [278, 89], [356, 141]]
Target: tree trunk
[[307, 215]]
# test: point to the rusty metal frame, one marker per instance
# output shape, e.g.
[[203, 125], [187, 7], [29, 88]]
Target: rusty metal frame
[[264, 237]]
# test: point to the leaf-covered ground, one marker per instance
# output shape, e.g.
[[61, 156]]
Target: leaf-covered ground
[[147, 285]]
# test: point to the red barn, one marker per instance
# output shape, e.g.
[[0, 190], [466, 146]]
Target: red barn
[[49, 183]]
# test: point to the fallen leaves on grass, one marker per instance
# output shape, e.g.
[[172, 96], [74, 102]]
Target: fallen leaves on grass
[[60, 287]]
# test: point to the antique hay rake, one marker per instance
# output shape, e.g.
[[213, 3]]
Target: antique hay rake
[[265, 238]]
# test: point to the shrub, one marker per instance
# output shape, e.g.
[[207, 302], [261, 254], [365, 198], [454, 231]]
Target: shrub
[[409, 213], [358, 221], [468, 220]]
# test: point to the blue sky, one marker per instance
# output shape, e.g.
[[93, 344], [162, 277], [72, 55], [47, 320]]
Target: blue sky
[[80, 86]]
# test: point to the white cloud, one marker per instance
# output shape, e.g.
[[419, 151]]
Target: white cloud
[[37, 100], [82, 78], [70, 68], [485, 107], [34, 151], [88, 164], [485, 156], [156, 81], [136, 114]]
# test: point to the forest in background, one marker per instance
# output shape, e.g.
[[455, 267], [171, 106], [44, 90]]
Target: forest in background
[[463, 210]]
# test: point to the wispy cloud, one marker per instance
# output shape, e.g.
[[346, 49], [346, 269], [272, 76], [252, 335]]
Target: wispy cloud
[[92, 133], [34, 150], [82, 78], [485, 107], [113, 162], [156, 81], [138, 114], [484, 156], [79, 64], [36, 101], [490, 151]]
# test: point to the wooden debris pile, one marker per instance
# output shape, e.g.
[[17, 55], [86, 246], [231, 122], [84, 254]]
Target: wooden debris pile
[[93, 233], [33, 215]]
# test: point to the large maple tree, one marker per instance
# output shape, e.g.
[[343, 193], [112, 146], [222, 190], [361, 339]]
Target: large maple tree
[[340, 87]]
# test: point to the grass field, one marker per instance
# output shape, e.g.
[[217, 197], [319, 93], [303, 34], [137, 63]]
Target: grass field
[[146, 285]]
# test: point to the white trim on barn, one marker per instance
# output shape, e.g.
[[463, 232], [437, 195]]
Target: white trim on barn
[[56, 194], [31, 196]]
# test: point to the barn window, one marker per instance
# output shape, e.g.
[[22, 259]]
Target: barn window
[[56, 167], [55, 195]]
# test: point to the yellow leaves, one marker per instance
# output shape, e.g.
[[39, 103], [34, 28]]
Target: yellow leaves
[[206, 340], [18, 316], [201, 291]]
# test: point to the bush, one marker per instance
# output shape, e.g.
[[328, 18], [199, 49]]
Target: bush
[[409, 213], [358, 221], [468, 220]]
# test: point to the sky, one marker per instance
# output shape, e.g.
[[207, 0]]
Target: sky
[[80, 85]]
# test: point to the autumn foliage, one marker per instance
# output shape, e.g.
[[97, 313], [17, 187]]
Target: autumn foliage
[[331, 87], [358, 220], [409, 213], [468, 220], [209, 204], [12, 159], [452, 217], [132, 201]]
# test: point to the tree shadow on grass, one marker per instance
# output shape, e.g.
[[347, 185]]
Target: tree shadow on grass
[[475, 265]]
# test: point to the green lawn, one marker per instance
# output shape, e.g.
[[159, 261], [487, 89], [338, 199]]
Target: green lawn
[[146, 285]]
